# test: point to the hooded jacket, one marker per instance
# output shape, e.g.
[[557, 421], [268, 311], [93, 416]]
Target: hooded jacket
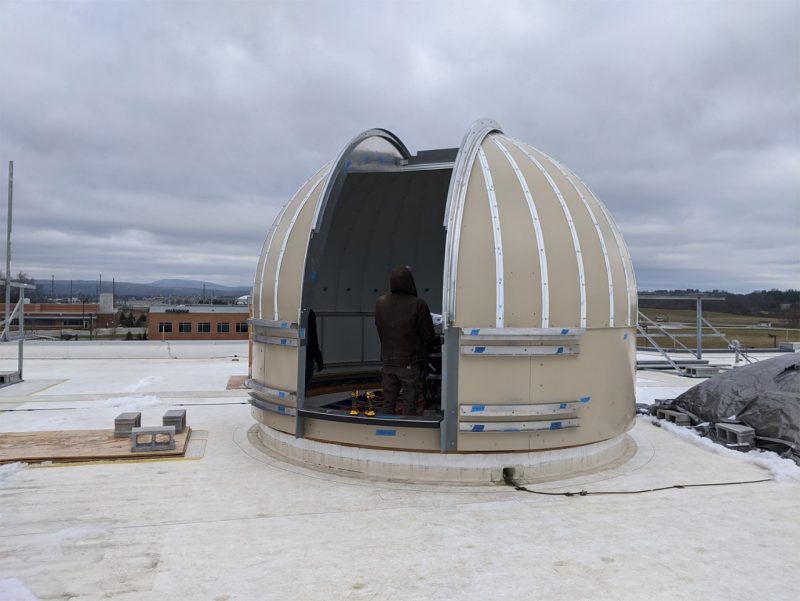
[[403, 321]]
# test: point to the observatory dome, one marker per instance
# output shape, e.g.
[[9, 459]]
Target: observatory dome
[[524, 264]]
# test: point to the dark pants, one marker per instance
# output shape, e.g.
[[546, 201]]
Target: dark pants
[[401, 382], [309, 374]]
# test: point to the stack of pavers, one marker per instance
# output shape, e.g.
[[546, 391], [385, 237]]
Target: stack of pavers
[[176, 418], [125, 422], [152, 438]]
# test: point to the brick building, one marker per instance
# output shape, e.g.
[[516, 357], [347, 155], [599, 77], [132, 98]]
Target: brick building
[[56, 316], [77, 316], [197, 322]]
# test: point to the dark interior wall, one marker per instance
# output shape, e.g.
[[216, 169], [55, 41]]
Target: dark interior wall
[[380, 220]]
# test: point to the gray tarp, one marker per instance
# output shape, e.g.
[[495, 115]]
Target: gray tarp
[[763, 395]]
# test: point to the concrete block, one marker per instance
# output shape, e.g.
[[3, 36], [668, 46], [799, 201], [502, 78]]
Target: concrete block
[[736, 436], [125, 422], [676, 417], [176, 418], [703, 371], [154, 438], [9, 377]]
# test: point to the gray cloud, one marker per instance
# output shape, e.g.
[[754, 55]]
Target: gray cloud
[[160, 139]]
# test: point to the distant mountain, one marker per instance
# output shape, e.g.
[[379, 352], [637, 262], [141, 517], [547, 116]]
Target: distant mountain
[[192, 284], [161, 289]]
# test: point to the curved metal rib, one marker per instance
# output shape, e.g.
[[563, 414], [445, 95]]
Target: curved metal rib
[[498, 242], [454, 210]]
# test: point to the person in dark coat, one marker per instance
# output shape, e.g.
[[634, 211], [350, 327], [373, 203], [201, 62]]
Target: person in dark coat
[[313, 352], [405, 329]]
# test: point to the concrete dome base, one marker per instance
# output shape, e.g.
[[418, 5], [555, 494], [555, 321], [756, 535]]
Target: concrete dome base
[[469, 468]]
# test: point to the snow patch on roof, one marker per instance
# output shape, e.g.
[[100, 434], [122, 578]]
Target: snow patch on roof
[[5, 472], [780, 468], [12, 589], [129, 403]]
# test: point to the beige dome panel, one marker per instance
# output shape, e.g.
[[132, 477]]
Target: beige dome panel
[[292, 256], [593, 257], [565, 267], [264, 305], [477, 283]]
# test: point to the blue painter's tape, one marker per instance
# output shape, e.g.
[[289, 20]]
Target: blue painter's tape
[[585, 399], [284, 324], [380, 432], [480, 349], [560, 350], [283, 341], [625, 337], [555, 426], [564, 332], [477, 408], [313, 276], [281, 395], [302, 332], [474, 332], [562, 406], [477, 428], [281, 409]]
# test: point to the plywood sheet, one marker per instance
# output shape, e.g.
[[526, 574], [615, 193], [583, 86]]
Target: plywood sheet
[[77, 445], [236, 383]]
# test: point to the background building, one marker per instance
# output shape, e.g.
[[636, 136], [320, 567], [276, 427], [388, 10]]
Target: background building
[[56, 316], [197, 322]]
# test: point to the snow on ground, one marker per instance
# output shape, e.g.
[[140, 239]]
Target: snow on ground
[[141, 384], [8, 469], [780, 468], [12, 589]]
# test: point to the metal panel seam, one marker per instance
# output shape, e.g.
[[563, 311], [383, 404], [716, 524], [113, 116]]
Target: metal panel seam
[[498, 241], [537, 226], [576, 243]]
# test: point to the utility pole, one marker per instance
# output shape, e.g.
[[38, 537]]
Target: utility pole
[[699, 316], [8, 239]]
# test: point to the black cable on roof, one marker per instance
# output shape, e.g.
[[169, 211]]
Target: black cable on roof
[[509, 480]]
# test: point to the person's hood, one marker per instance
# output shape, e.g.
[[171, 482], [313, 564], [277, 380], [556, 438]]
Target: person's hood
[[402, 282]]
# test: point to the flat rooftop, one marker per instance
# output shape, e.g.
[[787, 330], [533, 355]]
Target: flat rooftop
[[199, 309], [230, 522]]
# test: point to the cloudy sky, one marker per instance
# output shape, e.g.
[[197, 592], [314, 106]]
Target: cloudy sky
[[159, 139]]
